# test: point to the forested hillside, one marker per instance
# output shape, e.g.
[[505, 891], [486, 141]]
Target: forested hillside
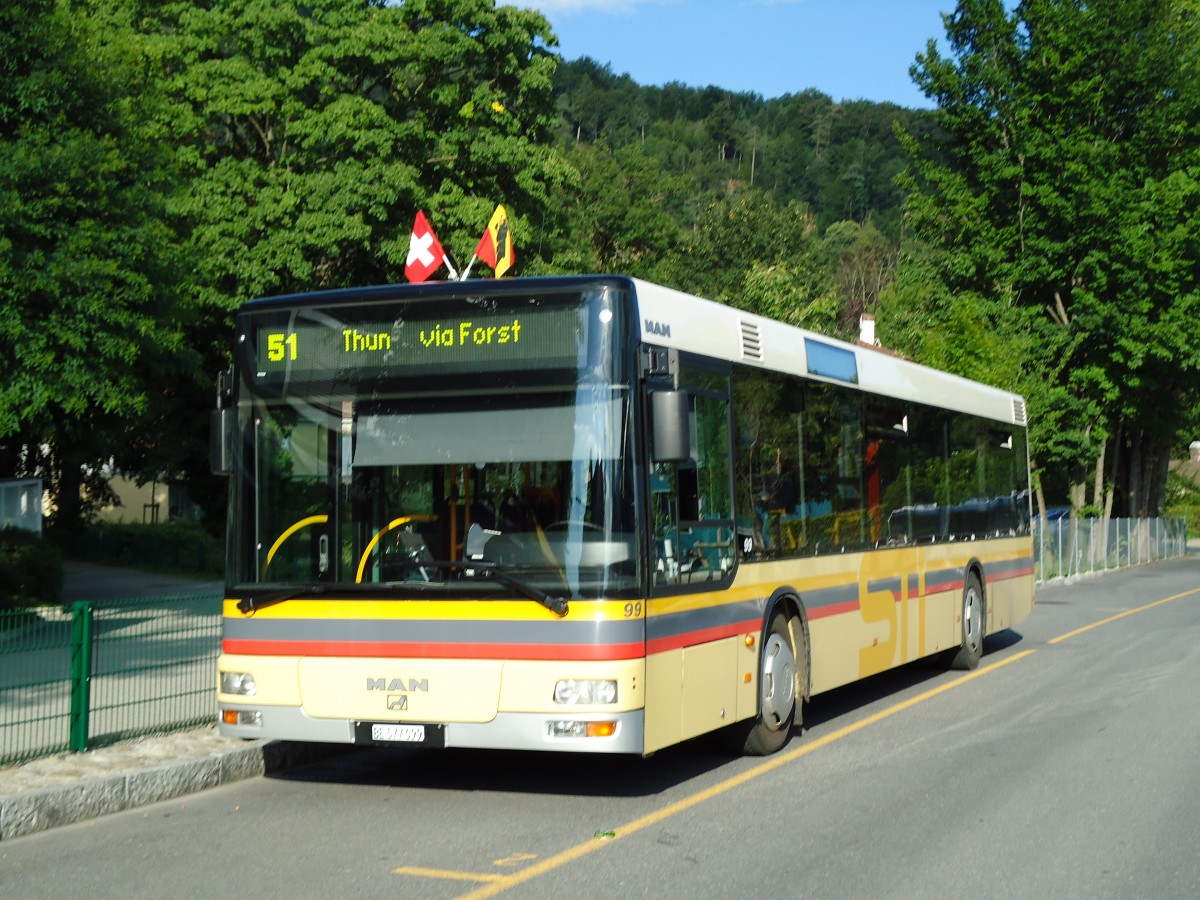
[[841, 160], [788, 206]]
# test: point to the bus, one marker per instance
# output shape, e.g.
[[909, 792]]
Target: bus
[[590, 513]]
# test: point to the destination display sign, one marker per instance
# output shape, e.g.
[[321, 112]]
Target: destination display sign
[[318, 344]]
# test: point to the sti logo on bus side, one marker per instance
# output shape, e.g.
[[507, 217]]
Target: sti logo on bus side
[[398, 684], [659, 328]]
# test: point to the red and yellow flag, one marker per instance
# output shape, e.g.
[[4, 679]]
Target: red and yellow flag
[[496, 246]]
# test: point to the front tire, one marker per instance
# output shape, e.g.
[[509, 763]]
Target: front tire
[[974, 626], [777, 698]]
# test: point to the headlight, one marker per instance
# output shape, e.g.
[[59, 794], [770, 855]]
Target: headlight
[[574, 692], [238, 683]]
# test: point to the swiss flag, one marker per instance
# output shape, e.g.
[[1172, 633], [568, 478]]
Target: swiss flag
[[425, 253]]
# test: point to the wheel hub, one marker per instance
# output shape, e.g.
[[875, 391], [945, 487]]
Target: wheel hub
[[778, 683], [972, 618]]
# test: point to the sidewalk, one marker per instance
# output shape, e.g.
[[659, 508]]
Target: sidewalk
[[73, 787]]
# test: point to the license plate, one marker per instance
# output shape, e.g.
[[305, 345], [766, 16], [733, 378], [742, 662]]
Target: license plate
[[403, 733], [399, 733]]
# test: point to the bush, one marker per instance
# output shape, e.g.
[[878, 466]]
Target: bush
[[180, 548], [31, 570], [1190, 512]]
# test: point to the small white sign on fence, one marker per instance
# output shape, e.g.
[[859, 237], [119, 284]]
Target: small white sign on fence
[[21, 503]]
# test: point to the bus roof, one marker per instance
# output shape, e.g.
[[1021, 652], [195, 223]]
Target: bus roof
[[684, 322]]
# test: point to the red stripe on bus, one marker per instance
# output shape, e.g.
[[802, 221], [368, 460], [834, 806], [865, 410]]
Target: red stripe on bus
[[1013, 573], [703, 636], [942, 587], [399, 650], [832, 609]]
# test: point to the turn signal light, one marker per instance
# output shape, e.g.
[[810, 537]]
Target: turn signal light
[[241, 717], [580, 729]]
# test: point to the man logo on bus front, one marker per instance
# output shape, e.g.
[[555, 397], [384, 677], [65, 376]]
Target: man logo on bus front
[[397, 702]]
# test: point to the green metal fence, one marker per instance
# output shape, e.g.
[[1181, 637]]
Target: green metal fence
[[1069, 547], [93, 673]]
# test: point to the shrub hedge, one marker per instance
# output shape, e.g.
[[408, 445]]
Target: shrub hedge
[[31, 570], [181, 548]]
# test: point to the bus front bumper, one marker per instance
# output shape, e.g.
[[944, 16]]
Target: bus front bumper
[[507, 731]]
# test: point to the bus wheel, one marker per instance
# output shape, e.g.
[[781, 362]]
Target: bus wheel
[[776, 696], [974, 626]]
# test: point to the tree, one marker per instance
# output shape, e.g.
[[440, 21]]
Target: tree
[[757, 255], [616, 213], [315, 131], [1057, 208], [90, 318], [311, 133]]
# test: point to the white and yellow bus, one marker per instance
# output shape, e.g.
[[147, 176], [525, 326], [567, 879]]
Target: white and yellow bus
[[594, 514]]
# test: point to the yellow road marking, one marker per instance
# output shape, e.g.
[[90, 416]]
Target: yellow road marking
[[505, 882], [1121, 615], [514, 859], [445, 874], [498, 884]]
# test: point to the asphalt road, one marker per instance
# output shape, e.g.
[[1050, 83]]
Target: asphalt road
[[1067, 766]]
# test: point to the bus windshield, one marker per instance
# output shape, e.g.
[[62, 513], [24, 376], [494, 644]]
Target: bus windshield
[[369, 484]]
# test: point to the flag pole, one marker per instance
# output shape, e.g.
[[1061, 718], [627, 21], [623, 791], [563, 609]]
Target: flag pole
[[467, 271], [450, 266]]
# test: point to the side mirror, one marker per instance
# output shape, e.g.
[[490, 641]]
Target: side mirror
[[223, 425], [672, 433]]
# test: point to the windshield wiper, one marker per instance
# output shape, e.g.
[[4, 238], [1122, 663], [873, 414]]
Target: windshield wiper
[[251, 603], [556, 604], [474, 568]]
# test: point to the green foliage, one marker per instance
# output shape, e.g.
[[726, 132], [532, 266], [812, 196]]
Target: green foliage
[[162, 161], [179, 548], [618, 212], [31, 570], [91, 325], [313, 133], [1183, 500], [84, 250], [1056, 202], [838, 159]]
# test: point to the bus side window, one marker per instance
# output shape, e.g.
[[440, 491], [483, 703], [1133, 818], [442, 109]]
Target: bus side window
[[691, 500], [769, 487]]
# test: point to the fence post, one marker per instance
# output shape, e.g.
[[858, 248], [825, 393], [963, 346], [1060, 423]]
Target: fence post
[[81, 673], [1058, 535], [1041, 552]]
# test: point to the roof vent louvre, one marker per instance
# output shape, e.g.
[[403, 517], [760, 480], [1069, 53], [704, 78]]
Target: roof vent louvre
[[1019, 412], [752, 348]]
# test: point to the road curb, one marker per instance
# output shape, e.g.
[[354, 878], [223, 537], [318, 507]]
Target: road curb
[[41, 809]]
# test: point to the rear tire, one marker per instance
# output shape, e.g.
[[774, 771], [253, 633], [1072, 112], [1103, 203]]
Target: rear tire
[[974, 626], [777, 698]]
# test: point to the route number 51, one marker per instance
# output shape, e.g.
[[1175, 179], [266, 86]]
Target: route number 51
[[279, 345]]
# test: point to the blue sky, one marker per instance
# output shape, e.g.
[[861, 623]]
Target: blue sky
[[849, 49]]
